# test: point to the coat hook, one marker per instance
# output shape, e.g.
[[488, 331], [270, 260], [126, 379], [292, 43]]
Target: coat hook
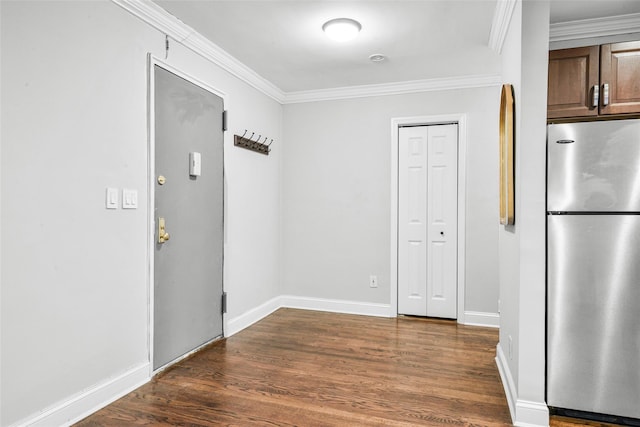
[[269, 144], [258, 145]]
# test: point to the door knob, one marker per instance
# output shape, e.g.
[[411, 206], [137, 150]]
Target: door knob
[[163, 236]]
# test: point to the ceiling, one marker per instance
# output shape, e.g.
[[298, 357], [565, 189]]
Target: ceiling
[[282, 40]]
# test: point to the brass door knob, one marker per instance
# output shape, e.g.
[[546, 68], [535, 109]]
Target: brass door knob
[[163, 235]]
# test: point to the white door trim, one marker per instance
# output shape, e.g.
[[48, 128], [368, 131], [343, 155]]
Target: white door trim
[[151, 155], [396, 123]]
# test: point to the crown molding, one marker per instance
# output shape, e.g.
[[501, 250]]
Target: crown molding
[[500, 24], [397, 88], [168, 24], [596, 27]]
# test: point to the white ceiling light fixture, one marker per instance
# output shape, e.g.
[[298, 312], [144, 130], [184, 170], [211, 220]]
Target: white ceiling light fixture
[[342, 29], [377, 57]]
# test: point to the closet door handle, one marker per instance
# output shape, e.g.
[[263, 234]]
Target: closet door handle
[[605, 94], [596, 96]]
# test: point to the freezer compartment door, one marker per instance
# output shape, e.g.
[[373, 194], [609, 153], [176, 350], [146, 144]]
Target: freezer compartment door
[[593, 309], [594, 166]]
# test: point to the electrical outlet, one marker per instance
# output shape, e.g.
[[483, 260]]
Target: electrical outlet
[[373, 281]]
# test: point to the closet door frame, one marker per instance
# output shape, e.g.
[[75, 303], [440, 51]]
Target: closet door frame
[[396, 124]]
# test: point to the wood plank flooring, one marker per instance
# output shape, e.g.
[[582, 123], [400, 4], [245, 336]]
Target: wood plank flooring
[[306, 368]]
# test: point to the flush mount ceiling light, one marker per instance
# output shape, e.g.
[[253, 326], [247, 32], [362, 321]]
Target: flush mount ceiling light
[[342, 29], [377, 57]]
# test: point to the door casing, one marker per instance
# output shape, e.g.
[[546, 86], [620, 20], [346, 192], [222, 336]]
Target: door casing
[[151, 62], [396, 123]]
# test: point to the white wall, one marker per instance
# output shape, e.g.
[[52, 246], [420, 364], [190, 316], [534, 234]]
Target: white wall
[[1, 127], [522, 247], [74, 275], [336, 192], [509, 236]]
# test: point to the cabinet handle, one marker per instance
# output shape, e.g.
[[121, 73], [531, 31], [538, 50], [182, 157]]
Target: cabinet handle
[[605, 94], [596, 96]]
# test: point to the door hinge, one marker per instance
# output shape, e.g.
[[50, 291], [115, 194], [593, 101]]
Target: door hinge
[[224, 303], [224, 121]]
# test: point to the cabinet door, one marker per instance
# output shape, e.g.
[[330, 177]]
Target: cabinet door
[[620, 74], [573, 77]]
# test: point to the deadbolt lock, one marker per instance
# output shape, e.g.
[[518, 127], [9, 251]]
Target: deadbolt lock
[[163, 236]]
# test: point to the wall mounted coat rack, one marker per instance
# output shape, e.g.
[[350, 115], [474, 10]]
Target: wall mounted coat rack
[[254, 145]]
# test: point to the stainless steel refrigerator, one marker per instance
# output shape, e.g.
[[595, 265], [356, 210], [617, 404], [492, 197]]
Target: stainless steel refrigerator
[[593, 268]]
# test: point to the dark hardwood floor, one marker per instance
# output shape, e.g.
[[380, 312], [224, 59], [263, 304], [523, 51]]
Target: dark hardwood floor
[[308, 368]]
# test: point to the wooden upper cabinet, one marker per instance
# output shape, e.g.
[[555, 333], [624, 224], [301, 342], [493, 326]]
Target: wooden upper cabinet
[[620, 76], [594, 81], [573, 77]]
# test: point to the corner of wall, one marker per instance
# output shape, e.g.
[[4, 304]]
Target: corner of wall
[[524, 413], [252, 316]]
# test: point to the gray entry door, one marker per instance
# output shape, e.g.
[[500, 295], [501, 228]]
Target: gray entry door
[[189, 249]]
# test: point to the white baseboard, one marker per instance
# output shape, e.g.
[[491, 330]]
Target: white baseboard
[[531, 414], [235, 325], [78, 407], [478, 318], [336, 306], [247, 319], [84, 404], [524, 413], [507, 381]]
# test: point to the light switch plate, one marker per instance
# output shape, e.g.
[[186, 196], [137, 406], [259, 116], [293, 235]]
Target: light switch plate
[[111, 198], [129, 198]]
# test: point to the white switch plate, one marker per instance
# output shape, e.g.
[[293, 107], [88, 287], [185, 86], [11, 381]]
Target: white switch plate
[[111, 198], [129, 198]]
